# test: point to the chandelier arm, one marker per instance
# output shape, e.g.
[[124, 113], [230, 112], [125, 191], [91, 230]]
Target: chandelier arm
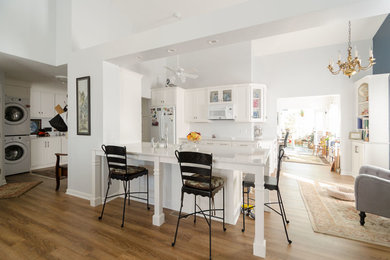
[[332, 71]]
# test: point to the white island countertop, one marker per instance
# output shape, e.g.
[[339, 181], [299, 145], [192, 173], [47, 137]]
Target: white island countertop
[[253, 156]]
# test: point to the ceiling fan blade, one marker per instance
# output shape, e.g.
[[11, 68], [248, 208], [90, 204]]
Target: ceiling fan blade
[[183, 78], [191, 76], [168, 68]]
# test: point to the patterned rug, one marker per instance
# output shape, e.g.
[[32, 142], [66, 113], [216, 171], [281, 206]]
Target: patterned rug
[[14, 190], [305, 158], [340, 218]]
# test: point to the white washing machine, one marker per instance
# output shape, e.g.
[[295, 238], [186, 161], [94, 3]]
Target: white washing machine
[[17, 154], [17, 116]]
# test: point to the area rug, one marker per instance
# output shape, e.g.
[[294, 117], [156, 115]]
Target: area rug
[[14, 190], [49, 173], [304, 158], [340, 218]]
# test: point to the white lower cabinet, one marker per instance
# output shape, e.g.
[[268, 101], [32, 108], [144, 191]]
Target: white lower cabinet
[[43, 151]]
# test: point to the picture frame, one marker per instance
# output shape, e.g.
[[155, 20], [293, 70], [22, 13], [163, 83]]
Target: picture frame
[[83, 105], [355, 135], [35, 125]]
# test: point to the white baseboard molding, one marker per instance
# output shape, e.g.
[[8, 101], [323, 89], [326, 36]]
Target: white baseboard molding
[[78, 194]]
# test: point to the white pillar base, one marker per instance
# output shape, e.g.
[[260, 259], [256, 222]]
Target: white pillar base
[[259, 248], [158, 220]]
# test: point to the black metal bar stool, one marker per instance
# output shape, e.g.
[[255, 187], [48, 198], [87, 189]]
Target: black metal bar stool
[[197, 179], [270, 183], [119, 170]]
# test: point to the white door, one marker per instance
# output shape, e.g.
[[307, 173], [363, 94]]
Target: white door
[[53, 147]]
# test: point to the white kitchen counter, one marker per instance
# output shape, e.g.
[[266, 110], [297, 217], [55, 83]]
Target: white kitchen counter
[[167, 183]]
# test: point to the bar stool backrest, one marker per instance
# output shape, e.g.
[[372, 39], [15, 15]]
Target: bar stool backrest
[[195, 163], [285, 140], [116, 158], [280, 158]]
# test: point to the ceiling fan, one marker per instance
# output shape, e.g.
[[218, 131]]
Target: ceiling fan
[[180, 73]]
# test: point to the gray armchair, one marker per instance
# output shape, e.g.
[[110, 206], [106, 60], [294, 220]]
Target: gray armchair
[[372, 192]]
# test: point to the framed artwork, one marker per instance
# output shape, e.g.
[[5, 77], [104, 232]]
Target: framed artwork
[[83, 102], [35, 125]]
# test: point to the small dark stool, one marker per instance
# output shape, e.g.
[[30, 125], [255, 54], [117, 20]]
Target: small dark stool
[[270, 183], [61, 169]]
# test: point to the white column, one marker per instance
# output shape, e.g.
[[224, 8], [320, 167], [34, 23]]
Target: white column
[[259, 242], [96, 198], [158, 217]]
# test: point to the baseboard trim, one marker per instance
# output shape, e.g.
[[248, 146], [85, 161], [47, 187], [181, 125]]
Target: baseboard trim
[[78, 194]]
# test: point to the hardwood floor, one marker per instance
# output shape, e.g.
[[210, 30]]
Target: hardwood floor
[[44, 224]]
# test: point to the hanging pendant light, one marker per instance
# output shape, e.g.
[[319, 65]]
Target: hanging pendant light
[[352, 65]]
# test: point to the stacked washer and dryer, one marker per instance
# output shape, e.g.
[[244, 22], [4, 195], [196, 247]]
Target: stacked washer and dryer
[[17, 135]]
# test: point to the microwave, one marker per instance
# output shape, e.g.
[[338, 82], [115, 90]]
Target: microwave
[[221, 112]]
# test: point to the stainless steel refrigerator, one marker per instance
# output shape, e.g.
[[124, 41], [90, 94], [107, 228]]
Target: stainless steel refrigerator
[[163, 123]]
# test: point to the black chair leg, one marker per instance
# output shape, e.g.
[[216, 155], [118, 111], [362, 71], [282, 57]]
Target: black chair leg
[[243, 209], [223, 207], [281, 213], [210, 225], [195, 209], [362, 215], [105, 199], [147, 192], [284, 211], [124, 203], [178, 218], [128, 188]]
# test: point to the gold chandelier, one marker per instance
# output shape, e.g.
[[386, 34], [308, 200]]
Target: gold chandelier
[[352, 65]]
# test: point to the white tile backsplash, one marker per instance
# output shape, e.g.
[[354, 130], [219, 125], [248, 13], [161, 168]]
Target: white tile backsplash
[[224, 129]]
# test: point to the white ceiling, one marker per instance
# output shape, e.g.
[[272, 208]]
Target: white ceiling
[[331, 34], [148, 14], [30, 71]]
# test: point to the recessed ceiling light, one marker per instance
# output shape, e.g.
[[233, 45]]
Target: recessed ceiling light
[[171, 50], [211, 42]]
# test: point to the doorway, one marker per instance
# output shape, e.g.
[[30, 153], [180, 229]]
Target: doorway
[[313, 127]]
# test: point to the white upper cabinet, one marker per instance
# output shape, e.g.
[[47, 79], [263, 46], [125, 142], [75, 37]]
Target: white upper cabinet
[[196, 105], [42, 104], [257, 102], [242, 103], [164, 97], [220, 95], [248, 102]]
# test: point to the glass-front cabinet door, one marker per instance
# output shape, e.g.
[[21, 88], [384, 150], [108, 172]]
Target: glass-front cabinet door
[[220, 95], [258, 103]]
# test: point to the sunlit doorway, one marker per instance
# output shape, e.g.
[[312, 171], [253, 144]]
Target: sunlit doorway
[[313, 127]]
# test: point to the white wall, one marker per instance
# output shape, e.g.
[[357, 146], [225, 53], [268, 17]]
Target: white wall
[[27, 29], [305, 73], [154, 74], [63, 31], [131, 107]]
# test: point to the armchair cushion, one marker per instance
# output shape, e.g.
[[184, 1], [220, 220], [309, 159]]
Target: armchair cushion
[[372, 191]]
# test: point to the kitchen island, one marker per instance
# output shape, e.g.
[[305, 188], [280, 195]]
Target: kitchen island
[[232, 161]]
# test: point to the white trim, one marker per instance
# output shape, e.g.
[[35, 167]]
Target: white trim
[[79, 194]]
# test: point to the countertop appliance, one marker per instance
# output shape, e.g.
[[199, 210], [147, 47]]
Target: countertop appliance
[[17, 154], [163, 123], [221, 112], [16, 116]]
